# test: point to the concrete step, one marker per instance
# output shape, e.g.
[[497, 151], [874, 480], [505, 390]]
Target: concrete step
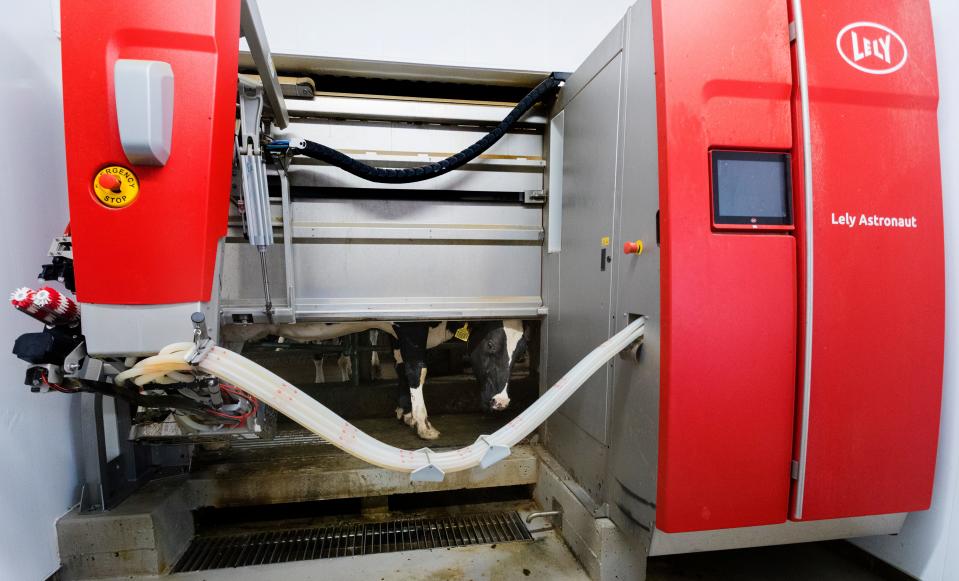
[[149, 531], [301, 467], [335, 474]]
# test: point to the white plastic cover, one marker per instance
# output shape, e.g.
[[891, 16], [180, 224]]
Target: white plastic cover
[[144, 98]]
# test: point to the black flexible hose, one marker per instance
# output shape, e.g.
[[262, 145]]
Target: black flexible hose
[[416, 174]]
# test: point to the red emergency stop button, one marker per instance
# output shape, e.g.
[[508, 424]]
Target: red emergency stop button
[[633, 247], [108, 181]]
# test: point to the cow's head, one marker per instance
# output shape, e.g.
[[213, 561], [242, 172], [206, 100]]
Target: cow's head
[[494, 349]]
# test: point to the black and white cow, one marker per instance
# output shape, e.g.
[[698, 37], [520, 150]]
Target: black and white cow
[[493, 347]]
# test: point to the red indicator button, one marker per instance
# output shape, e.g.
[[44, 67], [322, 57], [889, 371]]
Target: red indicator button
[[109, 181], [633, 247]]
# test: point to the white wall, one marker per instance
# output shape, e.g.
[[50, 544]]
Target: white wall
[[536, 35], [37, 432], [928, 546]]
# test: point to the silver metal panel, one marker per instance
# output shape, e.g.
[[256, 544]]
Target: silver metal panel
[[634, 440], [487, 179], [416, 220], [115, 330], [388, 259], [584, 457], [577, 292], [242, 278], [398, 70], [610, 117], [582, 319], [781, 534], [123, 330], [554, 190], [605, 51], [396, 273]]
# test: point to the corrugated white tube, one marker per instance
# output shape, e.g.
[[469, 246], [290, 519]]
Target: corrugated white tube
[[314, 416]]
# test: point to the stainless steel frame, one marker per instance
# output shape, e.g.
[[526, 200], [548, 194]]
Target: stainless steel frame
[[465, 245], [251, 28]]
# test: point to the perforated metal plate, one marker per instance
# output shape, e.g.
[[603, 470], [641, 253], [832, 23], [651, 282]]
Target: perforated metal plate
[[351, 539]]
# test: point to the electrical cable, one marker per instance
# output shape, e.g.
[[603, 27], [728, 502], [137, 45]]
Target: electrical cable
[[415, 174]]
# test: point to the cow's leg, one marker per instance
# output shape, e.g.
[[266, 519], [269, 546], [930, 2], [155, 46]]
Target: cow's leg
[[318, 363], [424, 428], [375, 372], [346, 367], [404, 407], [412, 339]]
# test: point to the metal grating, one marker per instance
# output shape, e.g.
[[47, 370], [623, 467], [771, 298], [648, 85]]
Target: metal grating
[[282, 438], [351, 539]]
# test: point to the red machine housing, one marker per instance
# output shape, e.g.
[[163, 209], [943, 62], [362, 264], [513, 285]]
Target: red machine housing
[[729, 298], [161, 249], [878, 290], [736, 444]]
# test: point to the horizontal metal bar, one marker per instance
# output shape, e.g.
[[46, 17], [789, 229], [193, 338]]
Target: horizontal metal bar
[[388, 159], [380, 69], [415, 232], [407, 110], [473, 177], [318, 312]]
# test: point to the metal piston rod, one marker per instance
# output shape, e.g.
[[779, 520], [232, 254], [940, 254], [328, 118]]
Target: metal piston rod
[[256, 193]]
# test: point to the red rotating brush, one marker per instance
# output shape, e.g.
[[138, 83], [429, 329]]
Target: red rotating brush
[[46, 305], [22, 299], [61, 308]]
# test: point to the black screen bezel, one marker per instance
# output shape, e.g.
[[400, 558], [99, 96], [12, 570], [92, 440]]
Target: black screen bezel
[[751, 221]]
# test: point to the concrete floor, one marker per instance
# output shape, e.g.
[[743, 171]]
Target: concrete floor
[[548, 558]]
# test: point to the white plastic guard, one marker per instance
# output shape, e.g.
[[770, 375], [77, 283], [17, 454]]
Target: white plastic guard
[[144, 99], [429, 473]]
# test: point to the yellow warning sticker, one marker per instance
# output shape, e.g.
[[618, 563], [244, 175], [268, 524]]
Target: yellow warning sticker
[[463, 333], [605, 241], [116, 186]]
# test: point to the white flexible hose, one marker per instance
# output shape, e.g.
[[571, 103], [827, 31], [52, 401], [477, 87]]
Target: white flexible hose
[[314, 416]]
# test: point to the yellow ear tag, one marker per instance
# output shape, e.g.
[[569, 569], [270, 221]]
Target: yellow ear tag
[[463, 333]]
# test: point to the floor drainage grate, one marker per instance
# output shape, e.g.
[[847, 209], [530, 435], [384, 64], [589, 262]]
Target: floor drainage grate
[[352, 539]]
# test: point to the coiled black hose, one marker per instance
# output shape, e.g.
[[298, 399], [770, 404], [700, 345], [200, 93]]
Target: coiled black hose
[[416, 174]]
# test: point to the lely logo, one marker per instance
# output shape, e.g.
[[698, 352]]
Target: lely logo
[[872, 48]]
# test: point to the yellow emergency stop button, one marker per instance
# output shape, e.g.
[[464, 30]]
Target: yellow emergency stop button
[[116, 186]]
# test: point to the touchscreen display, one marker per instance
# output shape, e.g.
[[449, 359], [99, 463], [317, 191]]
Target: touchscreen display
[[751, 188]]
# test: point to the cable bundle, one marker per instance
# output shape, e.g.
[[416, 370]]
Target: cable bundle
[[416, 174]]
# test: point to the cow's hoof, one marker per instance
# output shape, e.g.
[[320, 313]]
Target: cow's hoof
[[399, 414], [408, 420], [427, 431]]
